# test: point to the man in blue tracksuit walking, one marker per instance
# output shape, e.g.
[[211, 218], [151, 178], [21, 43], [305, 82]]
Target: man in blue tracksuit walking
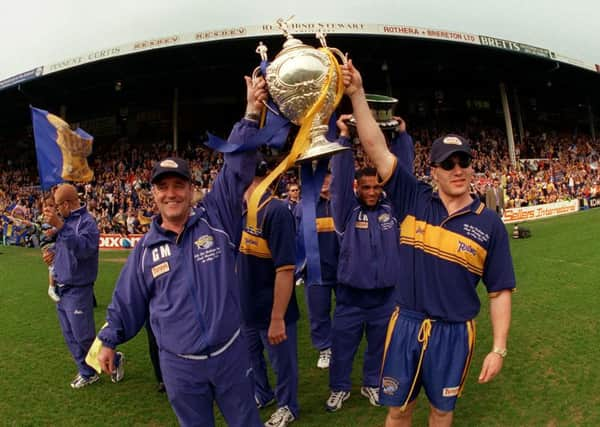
[[367, 274], [182, 276], [75, 257]]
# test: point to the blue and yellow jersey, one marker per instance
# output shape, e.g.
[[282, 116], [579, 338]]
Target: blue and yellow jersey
[[262, 254], [447, 254]]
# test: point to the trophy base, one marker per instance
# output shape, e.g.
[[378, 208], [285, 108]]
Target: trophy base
[[318, 151]]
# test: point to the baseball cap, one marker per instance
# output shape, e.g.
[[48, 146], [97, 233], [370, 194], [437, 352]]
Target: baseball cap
[[170, 166], [447, 145]]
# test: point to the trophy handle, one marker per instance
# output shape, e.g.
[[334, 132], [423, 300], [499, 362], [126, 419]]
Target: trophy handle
[[343, 56], [256, 74]]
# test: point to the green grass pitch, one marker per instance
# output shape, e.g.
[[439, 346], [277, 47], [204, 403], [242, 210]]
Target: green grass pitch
[[551, 376]]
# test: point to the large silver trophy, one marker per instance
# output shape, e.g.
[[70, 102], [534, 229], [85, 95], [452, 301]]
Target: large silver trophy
[[299, 78]]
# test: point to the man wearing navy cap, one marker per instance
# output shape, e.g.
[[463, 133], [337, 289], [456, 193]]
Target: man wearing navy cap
[[181, 275], [448, 242]]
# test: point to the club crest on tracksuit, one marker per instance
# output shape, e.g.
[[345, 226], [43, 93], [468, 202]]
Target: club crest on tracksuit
[[385, 221], [205, 249], [205, 242]]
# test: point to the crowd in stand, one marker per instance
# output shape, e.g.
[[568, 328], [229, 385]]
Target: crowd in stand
[[551, 167]]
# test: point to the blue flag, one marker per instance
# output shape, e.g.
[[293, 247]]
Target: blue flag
[[61, 152]]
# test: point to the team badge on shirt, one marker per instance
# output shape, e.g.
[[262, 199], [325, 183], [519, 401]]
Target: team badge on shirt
[[204, 242], [383, 218], [386, 221]]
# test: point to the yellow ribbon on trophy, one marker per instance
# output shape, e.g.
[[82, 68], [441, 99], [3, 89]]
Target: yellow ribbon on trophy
[[300, 143]]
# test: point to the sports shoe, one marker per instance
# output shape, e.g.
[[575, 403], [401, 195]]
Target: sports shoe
[[80, 381], [119, 372], [280, 418], [263, 405], [336, 400], [52, 294], [324, 359], [371, 393]]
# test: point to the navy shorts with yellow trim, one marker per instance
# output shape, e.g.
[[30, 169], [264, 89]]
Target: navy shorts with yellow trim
[[441, 369]]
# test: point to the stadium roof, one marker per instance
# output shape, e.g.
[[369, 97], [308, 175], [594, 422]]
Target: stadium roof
[[60, 34]]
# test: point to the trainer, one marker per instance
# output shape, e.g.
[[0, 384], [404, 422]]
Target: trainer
[[181, 275]]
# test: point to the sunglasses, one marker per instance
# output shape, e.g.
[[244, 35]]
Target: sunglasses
[[449, 164]]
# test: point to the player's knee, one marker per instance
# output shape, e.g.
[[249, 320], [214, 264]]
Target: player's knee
[[439, 414], [397, 413]]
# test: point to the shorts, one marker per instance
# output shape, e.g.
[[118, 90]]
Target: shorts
[[420, 351]]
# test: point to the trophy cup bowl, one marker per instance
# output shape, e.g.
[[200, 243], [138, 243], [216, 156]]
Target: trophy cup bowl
[[295, 80], [382, 109]]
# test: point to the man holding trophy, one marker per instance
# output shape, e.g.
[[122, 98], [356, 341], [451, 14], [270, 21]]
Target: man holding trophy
[[448, 242]]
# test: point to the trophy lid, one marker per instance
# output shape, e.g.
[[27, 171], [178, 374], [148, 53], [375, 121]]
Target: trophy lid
[[292, 42]]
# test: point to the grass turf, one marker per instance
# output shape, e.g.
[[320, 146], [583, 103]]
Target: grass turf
[[550, 377]]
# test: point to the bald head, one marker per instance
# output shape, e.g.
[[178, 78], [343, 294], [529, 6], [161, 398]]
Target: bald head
[[67, 194]]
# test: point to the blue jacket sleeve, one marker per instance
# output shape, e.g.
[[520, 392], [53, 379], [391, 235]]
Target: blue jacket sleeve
[[343, 200], [128, 310], [281, 234], [403, 148], [401, 188], [224, 202], [83, 238]]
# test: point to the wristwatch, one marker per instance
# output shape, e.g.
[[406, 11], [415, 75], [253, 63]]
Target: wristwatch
[[502, 352], [253, 117]]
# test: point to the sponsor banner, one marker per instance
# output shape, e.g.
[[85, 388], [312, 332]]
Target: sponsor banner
[[428, 33], [515, 46], [272, 29], [592, 202], [119, 241], [96, 55], [20, 78], [529, 213], [259, 30]]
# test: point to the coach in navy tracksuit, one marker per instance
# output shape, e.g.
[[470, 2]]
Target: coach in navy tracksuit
[[182, 275], [367, 274], [269, 307], [319, 295], [75, 259]]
